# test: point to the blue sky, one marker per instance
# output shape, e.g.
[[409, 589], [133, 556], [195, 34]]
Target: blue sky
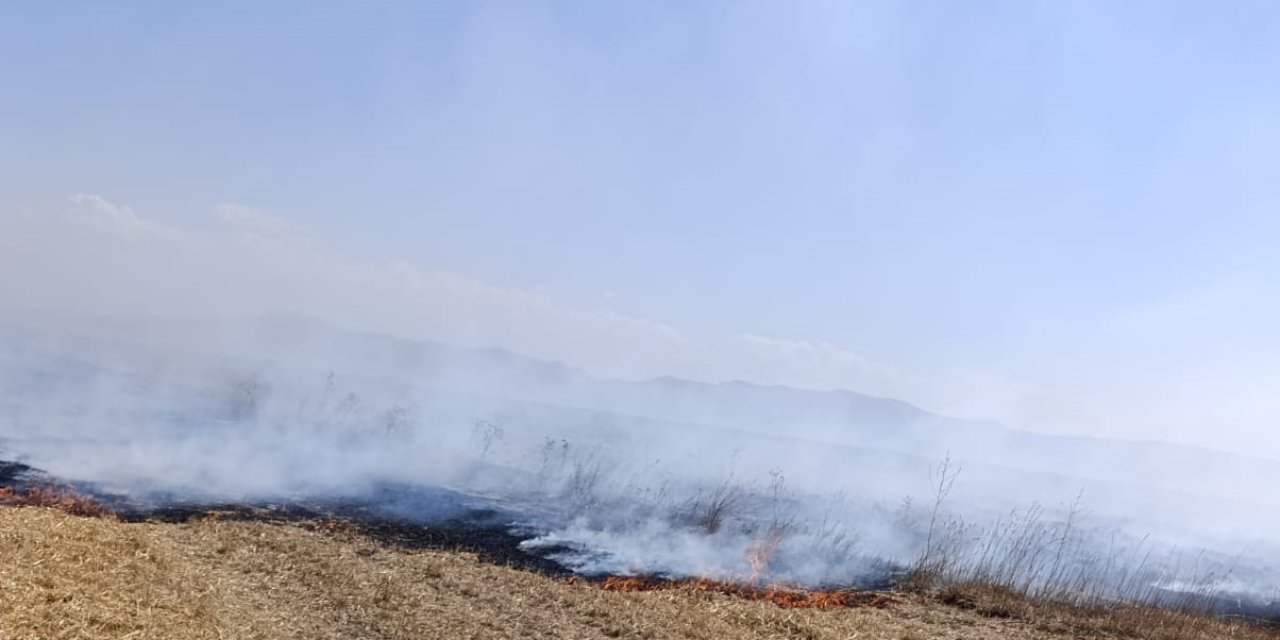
[[1058, 214]]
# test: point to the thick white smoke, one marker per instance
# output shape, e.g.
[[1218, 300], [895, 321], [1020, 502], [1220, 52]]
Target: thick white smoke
[[671, 477], [145, 360]]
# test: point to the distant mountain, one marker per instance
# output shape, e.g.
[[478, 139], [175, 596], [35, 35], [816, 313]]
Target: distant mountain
[[305, 349]]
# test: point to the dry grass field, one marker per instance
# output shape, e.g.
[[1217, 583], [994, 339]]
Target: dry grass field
[[65, 576]]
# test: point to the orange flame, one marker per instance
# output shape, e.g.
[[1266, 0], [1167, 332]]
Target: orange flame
[[760, 552], [56, 497], [784, 597]]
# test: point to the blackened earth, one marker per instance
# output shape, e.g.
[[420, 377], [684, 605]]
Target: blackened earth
[[400, 516], [15, 474], [487, 533], [408, 517]]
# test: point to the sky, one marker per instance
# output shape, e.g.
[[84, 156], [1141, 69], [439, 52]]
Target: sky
[[1058, 215]]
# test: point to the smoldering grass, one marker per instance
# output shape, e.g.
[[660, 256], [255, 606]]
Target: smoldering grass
[[55, 496]]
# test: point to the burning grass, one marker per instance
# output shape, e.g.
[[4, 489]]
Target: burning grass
[[53, 496]]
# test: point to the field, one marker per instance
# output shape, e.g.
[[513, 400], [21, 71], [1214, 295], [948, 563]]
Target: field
[[67, 576]]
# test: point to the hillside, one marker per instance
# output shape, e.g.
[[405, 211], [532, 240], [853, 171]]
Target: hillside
[[126, 403], [41, 357], [72, 577]]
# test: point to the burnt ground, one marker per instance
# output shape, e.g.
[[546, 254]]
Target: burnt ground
[[493, 537], [391, 515], [15, 474], [482, 532]]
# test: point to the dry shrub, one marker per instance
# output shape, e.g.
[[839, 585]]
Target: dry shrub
[[709, 511], [920, 580]]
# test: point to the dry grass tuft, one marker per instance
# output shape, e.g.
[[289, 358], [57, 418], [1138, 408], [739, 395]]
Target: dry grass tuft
[[1117, 620], [992, 600]]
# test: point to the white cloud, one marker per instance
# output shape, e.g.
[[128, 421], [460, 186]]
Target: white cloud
[[105, 258], [96, 211], [252, 222]]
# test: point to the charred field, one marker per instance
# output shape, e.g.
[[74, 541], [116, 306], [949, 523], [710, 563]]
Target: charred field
[[381, 523], [275, 573], [383, 515], [494, 539], [460, 523], [483, 532]]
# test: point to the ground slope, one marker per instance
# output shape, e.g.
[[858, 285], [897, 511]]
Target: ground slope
[[63, 576]]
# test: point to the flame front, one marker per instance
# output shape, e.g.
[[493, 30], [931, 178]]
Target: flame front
[[759, 553], [57, 497]]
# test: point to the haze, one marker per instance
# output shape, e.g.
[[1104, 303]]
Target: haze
[[1057, 215]]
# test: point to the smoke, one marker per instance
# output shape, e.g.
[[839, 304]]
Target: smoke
[[702, 483], [154, 363]]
